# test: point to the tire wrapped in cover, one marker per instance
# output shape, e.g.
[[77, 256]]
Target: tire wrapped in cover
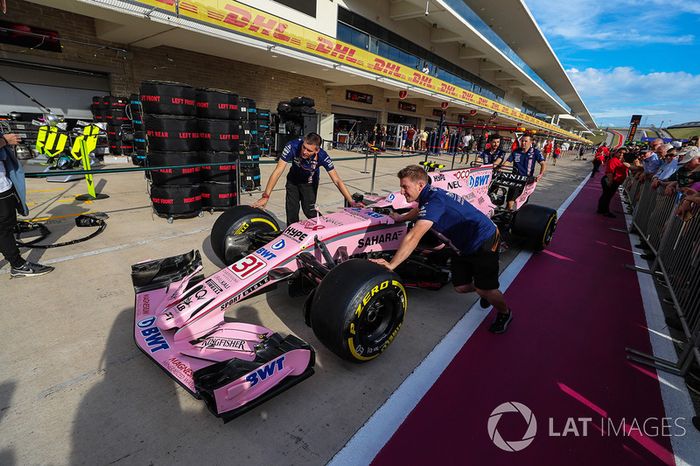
[[302, 101], [219, 195], [250, 178], [263, 114], [168, 98], [219, 135], [172, 133], [176, 200], [220, 173], [219, 104], [248, 107], [174, 176]]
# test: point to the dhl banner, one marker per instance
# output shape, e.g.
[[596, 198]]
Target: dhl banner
[[243, 19]]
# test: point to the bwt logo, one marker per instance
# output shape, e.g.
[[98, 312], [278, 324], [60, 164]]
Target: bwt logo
[[512, 445], [476, 181]]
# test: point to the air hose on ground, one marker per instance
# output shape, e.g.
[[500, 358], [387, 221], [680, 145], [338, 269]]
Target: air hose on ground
[[96, 219]]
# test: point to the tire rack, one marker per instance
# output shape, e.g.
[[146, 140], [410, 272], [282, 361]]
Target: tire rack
[[249, 168], [112, 110], [138, 128]]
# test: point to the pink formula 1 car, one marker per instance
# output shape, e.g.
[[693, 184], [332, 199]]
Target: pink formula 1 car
[[354, 306]]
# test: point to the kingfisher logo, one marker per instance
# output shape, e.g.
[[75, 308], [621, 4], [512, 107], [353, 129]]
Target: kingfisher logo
[[512, 445], [477, 181]]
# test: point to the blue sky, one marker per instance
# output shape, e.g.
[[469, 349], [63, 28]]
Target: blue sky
[[628, 56]]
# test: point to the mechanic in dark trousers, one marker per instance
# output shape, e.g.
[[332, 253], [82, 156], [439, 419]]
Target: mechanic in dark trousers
[[12, 201], [494, 151], [524, 159], [306, 157], [469, 233]]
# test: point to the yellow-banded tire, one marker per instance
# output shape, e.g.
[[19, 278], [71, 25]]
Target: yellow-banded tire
[[239, 221], [535, 224], [358, 310]]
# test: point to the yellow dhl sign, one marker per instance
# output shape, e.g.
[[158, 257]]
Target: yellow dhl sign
[[243, 19]]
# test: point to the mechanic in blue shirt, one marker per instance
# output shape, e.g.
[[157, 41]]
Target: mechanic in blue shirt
[[524, 159], [494, 151], [306, 157], [472, 236]]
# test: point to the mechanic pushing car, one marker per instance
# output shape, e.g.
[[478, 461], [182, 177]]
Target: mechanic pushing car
[[469, 233], [523, 160], [306, 157]]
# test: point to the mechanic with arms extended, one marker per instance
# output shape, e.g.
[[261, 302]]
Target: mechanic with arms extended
[[523, 159], [470, 234], [306, 157]]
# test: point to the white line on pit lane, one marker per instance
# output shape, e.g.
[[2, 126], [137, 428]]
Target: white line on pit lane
[[376, 432]]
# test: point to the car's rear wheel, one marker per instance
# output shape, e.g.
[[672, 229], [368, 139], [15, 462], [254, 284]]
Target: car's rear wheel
[[358, 309], [535, 224], [233, 232]]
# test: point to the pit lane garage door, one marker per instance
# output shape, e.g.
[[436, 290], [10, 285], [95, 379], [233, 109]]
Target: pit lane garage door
[[66, 91]]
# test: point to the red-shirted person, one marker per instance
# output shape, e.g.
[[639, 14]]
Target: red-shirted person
[[599, 158], [615, 174], [557, 153], [547, 150]]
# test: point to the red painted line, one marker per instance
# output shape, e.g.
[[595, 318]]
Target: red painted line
[[576, 309]]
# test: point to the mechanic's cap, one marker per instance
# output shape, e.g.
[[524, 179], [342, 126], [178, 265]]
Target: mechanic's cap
[[688, 155]]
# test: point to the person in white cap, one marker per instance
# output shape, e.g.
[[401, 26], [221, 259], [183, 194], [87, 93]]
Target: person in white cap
[[688, 172]]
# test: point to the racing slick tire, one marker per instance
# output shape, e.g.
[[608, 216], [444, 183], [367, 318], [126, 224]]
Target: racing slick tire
[[358, 309], [238, 221], [536, 224]]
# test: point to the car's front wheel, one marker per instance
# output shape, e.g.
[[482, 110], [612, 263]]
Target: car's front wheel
[[358, 309], [233, 232]]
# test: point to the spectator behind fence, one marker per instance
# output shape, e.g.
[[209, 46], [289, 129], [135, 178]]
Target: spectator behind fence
[[687, 180], [667, 169], [615, 174], [688, 172]]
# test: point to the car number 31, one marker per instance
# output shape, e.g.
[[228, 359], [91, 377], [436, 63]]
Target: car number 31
[[247, 266]]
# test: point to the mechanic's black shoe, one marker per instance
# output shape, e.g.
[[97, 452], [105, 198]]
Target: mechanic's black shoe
[[648, 256], [30, 269], [501, 323], [641, 246], [484, 303]]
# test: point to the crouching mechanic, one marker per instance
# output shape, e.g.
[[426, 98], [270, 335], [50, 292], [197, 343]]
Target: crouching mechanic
[[306, 157], [469, 233]]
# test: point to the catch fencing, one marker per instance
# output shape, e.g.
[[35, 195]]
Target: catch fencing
[[674, 238]]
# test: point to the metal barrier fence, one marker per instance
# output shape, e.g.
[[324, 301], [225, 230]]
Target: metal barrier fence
[[675, 241]]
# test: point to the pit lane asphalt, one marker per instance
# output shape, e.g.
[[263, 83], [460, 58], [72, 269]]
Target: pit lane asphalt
[[74, 389]]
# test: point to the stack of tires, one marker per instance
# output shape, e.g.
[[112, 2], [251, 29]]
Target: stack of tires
[[99, 115], [250, 158], [138, 129], [220, 118], [115, 116], [264, 131], [297, 117], [173, 139]]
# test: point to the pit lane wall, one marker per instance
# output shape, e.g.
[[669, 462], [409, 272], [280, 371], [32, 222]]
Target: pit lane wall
[[242, 19]]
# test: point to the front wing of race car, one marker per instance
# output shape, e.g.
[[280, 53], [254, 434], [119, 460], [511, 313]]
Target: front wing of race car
[[232, 366]]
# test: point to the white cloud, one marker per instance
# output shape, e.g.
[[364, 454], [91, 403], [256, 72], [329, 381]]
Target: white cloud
[[617, 93], [596, 24]]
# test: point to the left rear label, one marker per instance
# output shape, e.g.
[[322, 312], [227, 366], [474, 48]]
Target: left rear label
[[151, 335]]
